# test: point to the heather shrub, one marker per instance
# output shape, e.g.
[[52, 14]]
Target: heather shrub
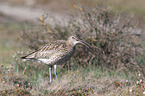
[[108, 31]]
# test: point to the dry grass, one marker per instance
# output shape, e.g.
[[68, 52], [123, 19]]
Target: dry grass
[[77, 82]]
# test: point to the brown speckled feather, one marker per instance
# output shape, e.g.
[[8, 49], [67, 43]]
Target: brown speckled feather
[[55, 52]]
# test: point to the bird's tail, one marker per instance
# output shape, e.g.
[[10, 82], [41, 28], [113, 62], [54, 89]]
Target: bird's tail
[[30, 56]]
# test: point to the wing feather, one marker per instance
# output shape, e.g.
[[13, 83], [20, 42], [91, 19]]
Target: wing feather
[[49, 50]]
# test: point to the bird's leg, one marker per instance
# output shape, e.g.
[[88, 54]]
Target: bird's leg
[[55, 73], [50, 72]]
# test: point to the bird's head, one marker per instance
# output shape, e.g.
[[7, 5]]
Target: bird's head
[[73, 41]]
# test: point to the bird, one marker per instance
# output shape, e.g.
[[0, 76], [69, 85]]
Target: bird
[[56, 53]]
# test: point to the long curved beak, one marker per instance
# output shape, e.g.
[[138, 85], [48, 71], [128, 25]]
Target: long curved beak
[[86, 44]]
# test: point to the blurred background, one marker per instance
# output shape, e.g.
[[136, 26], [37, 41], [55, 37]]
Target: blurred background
[[63, 7], [24, 22]]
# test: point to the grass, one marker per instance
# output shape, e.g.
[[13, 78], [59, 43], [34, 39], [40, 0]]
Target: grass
[[9, 40], [89, 81], [77, 77], [7, 48]]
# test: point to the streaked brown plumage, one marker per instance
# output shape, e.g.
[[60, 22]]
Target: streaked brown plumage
[[56, 52]]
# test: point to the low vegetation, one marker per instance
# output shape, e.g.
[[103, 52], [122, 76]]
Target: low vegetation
[[114, 67], [109, 32]]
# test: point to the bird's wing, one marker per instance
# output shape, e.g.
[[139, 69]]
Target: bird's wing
[[31, 55], [52, 49]]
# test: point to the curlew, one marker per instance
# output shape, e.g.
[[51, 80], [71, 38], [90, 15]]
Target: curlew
[[56, 52]]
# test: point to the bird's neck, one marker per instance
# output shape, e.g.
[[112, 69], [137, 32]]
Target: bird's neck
[[70, 44]]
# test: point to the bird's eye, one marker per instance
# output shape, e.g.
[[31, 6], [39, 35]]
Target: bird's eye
[[73, 37]]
